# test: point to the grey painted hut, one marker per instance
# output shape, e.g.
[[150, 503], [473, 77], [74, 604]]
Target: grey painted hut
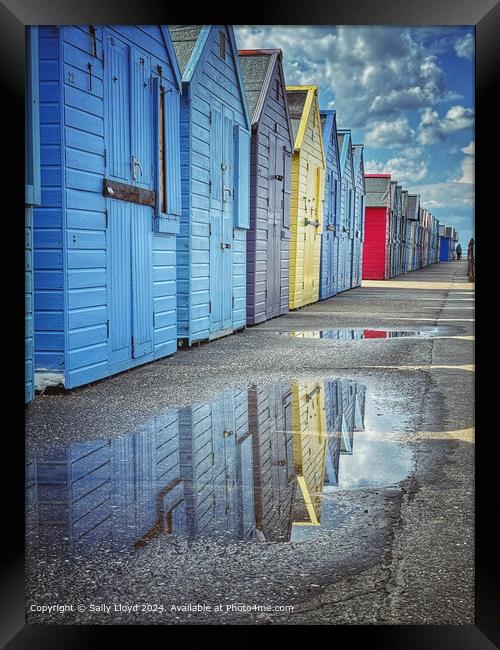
[[268, 239]]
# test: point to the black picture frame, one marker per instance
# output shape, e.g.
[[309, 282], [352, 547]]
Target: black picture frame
[[14, 15]]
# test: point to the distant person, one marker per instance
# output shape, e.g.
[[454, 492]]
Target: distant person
[[459, 251]]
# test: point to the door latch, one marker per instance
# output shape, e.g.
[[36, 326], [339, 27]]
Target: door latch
[[136, 163], [224, 245]]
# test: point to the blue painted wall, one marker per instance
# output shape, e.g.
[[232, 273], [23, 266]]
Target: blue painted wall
[[357, 234], [330, 237], [104, 269], [345, 229], [32, 197], [215, 131]]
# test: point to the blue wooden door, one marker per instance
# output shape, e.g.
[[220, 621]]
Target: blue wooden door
[[221, 219], [228, 182], [129, 159]]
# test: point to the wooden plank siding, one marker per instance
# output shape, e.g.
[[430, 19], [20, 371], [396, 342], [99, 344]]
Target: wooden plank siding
[[268, 238], [214, 82], [359, 215], [73, 291], [308, 169], [346, 229], [330, 237]]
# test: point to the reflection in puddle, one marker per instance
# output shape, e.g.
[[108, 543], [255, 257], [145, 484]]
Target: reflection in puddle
[[261, 464], [355, 334]]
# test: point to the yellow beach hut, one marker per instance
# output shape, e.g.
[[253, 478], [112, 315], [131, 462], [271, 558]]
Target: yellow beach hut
[[308, 174]]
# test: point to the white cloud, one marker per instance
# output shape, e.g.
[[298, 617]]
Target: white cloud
[[389, 134], [464, 47], [448, 194], [409, 167], [470, 148], [434, 128], [467, 164], [375, 72]]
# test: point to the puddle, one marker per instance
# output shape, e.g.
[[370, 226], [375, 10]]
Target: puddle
[[263, 464], [356, 334]]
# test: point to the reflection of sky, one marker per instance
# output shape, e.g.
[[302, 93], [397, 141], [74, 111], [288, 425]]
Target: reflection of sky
[[374, 462], [377, 460]]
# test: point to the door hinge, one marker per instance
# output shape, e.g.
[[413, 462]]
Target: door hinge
[[209, 306], [105, 158], [209, 229], [107, 329], [233, 302], [154, 320], [106, 217], [133, 345], [210, 186], [210, 117], [102, 56]]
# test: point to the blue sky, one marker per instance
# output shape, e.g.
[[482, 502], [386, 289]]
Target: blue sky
[[407, 93]]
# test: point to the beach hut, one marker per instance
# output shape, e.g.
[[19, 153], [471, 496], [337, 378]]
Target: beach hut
[[399, 230], [376, 247], [404, 231], [412, 216], [393, 230], [306, 214], [268, 238], [330, 238], [270, 421], [32, 197], [346, 221], [359, 215], [105, 230], [215, 158]]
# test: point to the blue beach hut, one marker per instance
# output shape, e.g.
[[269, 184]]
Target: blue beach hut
[[215, 155], [330, 238], [359, 214], [104, 233], [32, 197], [345, 229]]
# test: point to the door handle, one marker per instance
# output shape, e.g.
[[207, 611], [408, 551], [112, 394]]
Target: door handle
[[224, 245], [136, 163], [227, 189]]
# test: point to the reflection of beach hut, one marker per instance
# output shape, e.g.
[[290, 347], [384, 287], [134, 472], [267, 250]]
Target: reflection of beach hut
[[310, 443], [270, 422], [330, 238], [306, 216], [333, 429], [216, 467], [268, 239], [105, 230], [111, 491], [215, 162]]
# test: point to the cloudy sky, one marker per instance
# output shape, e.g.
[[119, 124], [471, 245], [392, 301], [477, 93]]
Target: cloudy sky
[[406, 93]]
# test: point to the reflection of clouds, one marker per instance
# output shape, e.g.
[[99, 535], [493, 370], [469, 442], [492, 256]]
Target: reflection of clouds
[[374, 462]]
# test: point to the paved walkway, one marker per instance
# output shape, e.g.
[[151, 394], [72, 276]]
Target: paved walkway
[[403, 553]]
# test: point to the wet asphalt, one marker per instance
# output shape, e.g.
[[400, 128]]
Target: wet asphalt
[[401, 553]]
